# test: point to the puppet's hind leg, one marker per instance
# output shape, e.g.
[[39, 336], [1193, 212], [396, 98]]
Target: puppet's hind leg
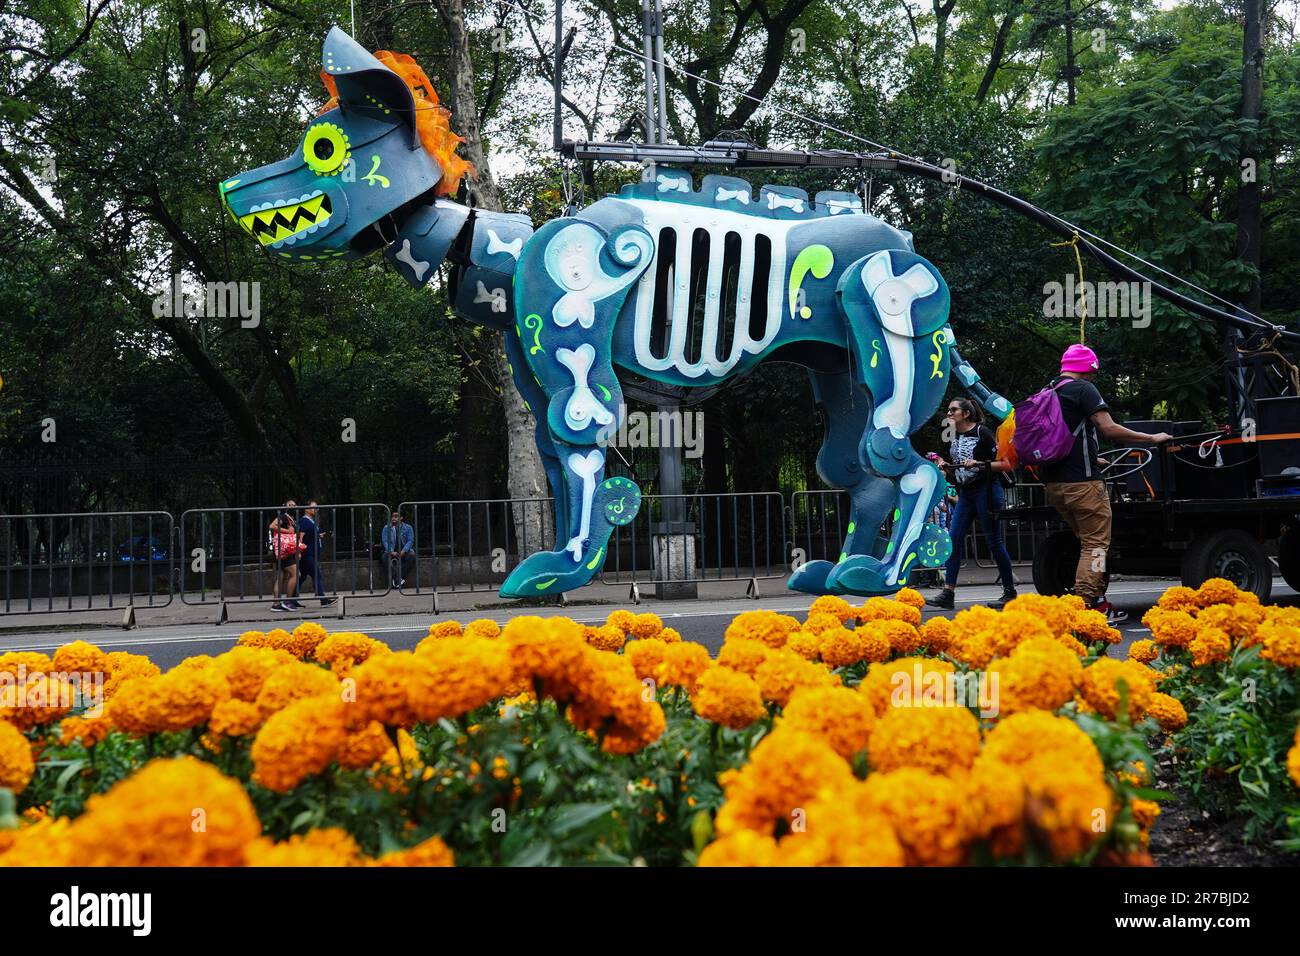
[[846, 409]]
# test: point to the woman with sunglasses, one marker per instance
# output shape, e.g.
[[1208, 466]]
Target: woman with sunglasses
[[973, 466]]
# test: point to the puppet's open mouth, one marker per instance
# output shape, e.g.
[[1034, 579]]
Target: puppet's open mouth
[[283, 224]]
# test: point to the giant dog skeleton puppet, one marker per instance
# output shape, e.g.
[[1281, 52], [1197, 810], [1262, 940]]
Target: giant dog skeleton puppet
[[663, 285]]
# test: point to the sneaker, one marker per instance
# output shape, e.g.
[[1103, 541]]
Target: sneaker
[[278, 607], [292, 606], [326, 602], [1113, 614], [1001, 602], [401, 583], [943, 599]]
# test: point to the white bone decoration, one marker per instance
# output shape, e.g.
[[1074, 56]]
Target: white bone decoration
[[583, 407], [585, 467], [511, 248], [893, 297], [418, 266], [777, 201], [672, 184], [497, 297], [742, 195]]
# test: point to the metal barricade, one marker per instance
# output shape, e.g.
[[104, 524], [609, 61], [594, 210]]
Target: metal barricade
[[85, 561], [226, 555], [819, 523], [473, 545], [732, 536]]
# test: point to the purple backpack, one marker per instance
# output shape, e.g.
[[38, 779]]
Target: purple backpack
[[1041, 436]]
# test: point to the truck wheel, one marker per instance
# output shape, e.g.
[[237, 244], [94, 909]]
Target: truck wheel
[[1231, 554], [1055, 562], [1288, 556]]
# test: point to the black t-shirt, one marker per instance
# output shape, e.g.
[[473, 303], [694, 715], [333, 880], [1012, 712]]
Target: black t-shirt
[[1080, 400], [978, 444]]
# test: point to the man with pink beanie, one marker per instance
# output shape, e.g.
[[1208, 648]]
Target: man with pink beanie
[[1073, 486]]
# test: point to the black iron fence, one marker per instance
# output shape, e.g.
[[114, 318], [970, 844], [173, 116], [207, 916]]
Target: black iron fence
[[94, 562]]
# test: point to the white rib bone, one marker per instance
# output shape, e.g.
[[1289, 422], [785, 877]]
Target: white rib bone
[[668, 184], [417, 266], [837, 206], [511, 248], [497, 297], [777, 201], [582, 408], [585, 467], [723, 194]]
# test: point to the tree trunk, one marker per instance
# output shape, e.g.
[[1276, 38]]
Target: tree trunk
[[526, 479]]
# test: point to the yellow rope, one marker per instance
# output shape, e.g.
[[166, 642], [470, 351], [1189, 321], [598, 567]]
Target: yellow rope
[[1083, 299]]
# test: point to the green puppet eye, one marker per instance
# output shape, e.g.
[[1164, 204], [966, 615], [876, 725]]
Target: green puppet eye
[[325, 149]]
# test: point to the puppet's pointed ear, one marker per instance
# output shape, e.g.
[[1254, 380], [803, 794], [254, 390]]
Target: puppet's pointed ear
[[365, 85]]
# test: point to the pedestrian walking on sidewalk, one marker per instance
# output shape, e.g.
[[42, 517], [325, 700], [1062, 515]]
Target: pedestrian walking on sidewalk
[[285, 544], [974, 467]]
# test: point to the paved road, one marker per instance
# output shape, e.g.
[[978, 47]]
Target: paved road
[[703, 621]]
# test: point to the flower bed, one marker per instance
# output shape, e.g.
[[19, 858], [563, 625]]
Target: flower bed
[[1232, 664], [857, 736]]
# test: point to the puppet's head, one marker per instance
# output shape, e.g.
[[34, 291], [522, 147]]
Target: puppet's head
[[380, 147]]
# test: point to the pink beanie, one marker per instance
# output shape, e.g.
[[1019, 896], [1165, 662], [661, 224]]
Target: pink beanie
[[1079, 358]]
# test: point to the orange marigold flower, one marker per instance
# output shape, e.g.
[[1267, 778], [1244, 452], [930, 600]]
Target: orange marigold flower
[[1217, 591], [1238, 621], [235, 718], [16, 763], [1091, 626], [930, 814], [1178, 598], [742, 848], [1143, 651], [645, 657], [606, 638], [1281, 644], [247, 668], [786, 770], [901, 636], [728, 697], [1100, 686], [833, 605], [483, 627], [1040, 673], [1170, 628], [784, 672], [1017, 739], [743, 655], [806, 644], [1167, 711], [842, 828], [936, 634], [432, 852], [646, 626], [910, 597], [295, 681], [1057, 614], [80, 657], [36, 700], [466, 675], [149, 819], [766, 627], [622, 619], [177, 700], [941, 740], [445, 629], [25, 663], [904, 682], [88, 731], [997, 795], [330, 846], [683, 664], [363, 748], [1210, 646], [305, 638], [346, 649], [841, 717], [123, 667], [298, 742], [669, 635], [1066, 801]]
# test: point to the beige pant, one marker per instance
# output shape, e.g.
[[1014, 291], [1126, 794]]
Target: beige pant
[[1085, 507]]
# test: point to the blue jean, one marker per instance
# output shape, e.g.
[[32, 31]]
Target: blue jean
[[308, 568], [983, 503]]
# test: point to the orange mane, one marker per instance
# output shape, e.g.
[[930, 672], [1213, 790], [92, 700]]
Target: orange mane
[[432, 121]]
